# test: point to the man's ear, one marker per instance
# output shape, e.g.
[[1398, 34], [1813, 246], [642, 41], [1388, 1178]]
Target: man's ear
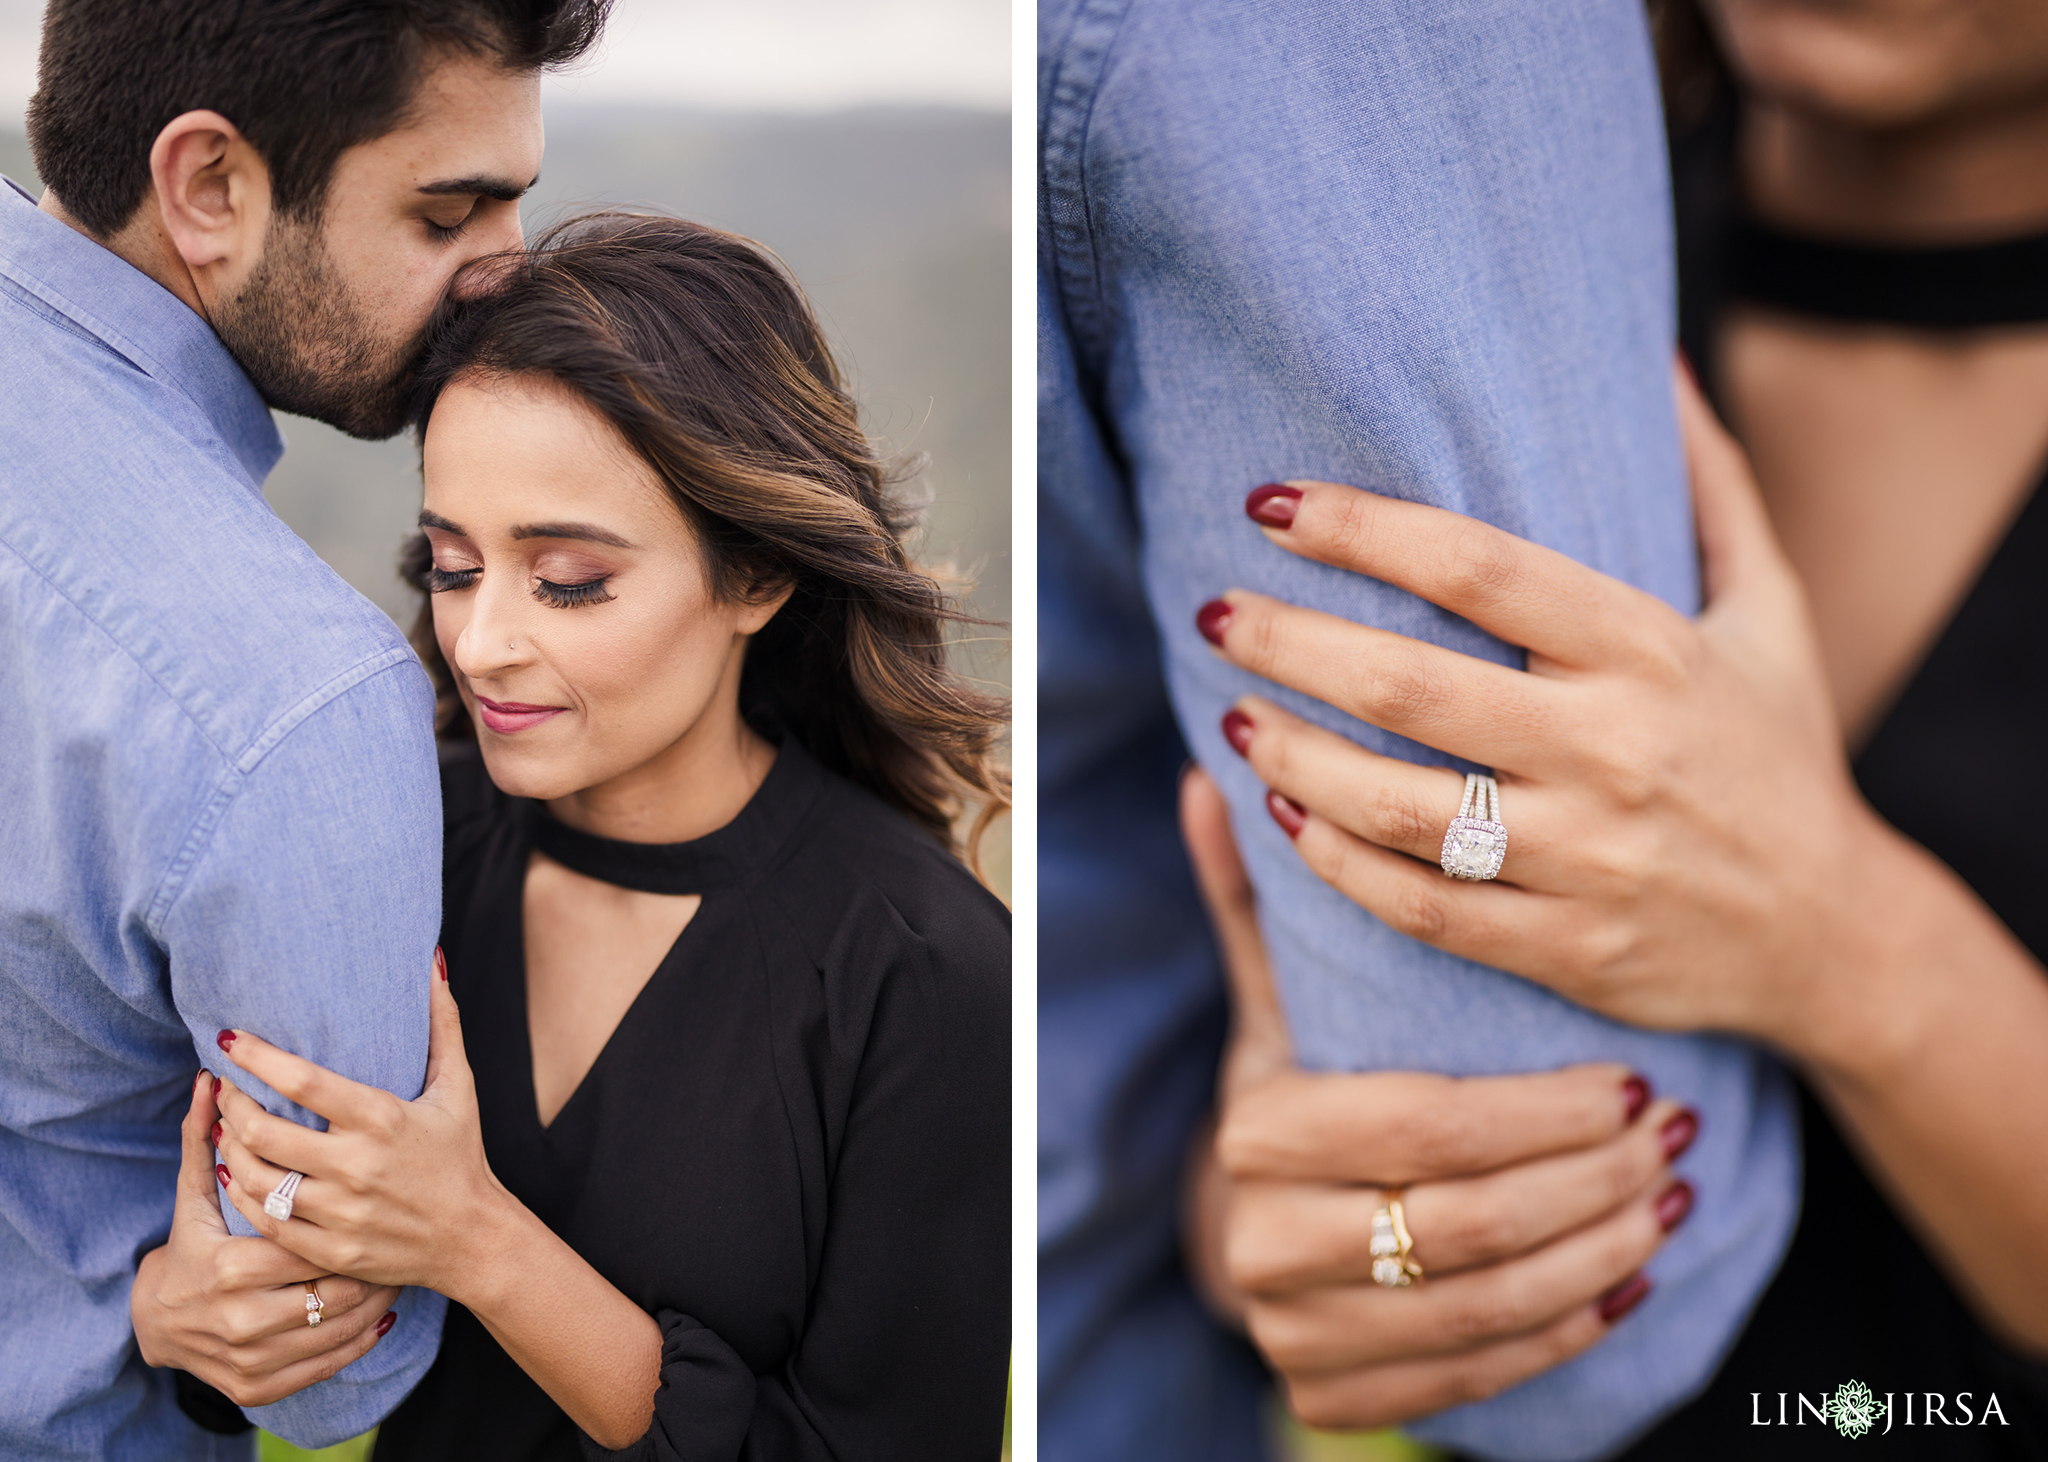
[[212, 193]]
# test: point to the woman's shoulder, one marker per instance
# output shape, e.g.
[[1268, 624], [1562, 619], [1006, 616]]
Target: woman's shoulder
[[857, 872]]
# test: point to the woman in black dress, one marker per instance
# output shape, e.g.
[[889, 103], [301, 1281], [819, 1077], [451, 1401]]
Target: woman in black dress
[[1861, 190], [715, 1162]]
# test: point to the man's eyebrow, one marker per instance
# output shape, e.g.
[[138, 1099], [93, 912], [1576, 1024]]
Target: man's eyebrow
[[498, 188], [435, 520], [588, 532]]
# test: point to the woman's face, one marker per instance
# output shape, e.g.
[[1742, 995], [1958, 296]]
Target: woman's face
[[571, 600], [1886, 63]]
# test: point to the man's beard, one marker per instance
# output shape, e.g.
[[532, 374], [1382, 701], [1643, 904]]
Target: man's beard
[[308, 346]]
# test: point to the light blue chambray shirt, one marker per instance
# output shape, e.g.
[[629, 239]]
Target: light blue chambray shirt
[[1423, 248], [218, 807]]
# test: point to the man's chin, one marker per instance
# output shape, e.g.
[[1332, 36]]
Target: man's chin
[[369, 416]]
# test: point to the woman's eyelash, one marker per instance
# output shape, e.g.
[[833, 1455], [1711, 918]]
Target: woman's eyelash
[[440, 581], [568, 596]]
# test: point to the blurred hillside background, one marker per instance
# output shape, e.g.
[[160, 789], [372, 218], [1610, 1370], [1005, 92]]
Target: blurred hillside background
[[865, 141]]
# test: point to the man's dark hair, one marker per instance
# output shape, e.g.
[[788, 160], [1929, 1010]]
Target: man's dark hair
[[304, 80]]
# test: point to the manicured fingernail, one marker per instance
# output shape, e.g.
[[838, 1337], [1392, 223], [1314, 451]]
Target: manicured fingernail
[[216, 1086], [1273, 504], [1685, 364], [220, 1170], [224, 1039], [216, 1134], [1636, 1092], [1678, 1132], [1289, 815], [384, 1325], [1212, 619], [1237, 730], [440, 962], [1624, 1297], [1673, 1205]]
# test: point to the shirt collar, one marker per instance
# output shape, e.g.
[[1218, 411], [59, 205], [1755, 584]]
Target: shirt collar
[[117, 304]]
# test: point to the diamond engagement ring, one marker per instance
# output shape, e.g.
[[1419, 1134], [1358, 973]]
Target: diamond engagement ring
[[1392, 1264], [315, 1306], [279, 1204], [1476, 842]]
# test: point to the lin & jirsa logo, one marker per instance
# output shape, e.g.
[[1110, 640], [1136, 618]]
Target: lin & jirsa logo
[[1854, 1409]]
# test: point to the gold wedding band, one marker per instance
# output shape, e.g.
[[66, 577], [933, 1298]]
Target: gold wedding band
[[315, 1306], [1393, 1264]]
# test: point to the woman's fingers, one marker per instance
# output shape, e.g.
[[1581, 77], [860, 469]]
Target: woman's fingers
[[1400, 1127], [1371, 1397], [1382, 799], [1736, 539], [1335, 1328], [1515, 590], [279, 1141], [1286, 1237], [446, 1058], [342, 1102], [1470, 708], [198, 1199], [300, 1355], [1260, 1045]]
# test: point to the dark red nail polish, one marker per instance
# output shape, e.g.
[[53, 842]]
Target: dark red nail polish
[[1273, 505], [224, 1039], [216, 1134], [1212, 619], [1678, 1132], [1624, 1297], [440, 962], [1636, 1092], [384, 1325], [216, 1086], [220, 1170], [1673, 1205], [1237, 730], [1289, 815], [1685, 364]]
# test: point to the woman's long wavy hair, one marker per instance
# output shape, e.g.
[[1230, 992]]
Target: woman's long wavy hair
[[702, 352]]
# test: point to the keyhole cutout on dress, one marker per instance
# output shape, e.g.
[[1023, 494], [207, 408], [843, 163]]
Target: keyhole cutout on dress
[[591, 947]]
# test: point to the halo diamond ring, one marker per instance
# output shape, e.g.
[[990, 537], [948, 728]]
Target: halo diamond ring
[[279, 1204], [1476, 842]]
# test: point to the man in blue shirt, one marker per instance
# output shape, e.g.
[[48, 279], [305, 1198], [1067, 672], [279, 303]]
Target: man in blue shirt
[[218, 798], [1424, 249]]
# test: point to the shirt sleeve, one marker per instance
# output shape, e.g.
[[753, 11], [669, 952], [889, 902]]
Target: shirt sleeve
[[306, 911]]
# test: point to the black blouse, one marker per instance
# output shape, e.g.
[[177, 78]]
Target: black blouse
[[793, 1152], [1956, 766]]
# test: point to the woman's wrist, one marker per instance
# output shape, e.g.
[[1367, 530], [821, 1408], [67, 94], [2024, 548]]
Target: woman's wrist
[[495, 1241], [1865, 1001]]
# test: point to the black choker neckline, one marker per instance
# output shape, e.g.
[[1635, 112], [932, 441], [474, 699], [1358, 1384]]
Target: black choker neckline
[[1953, 287]]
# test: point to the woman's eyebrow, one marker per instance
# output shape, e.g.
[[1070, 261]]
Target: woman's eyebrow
[[588, 532], [435, 520]]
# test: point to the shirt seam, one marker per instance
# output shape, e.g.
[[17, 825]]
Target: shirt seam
[[1071, 91], [236, 775]]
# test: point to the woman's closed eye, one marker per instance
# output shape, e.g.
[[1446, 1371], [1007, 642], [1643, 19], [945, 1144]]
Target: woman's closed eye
[[569, 596], [441, 581]]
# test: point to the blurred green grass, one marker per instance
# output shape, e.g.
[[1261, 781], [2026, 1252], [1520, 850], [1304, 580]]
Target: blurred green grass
[[1299, 1444], [277, 1449]]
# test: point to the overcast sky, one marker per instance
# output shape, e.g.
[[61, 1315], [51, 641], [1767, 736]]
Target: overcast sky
[[775, 55]]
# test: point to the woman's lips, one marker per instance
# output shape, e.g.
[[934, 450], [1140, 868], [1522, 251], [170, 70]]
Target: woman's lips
[[506, 717]]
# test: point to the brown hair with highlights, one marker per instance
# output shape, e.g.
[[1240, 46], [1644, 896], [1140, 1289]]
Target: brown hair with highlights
[[701, 351]]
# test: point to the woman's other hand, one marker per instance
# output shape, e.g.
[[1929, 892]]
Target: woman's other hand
[[394, 1191], [232, 1311], [1686, 849], [1534, 1201]]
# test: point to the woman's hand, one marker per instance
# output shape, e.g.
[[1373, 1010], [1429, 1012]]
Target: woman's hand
[[1686, 848], [232, 1311], [1533, 1200], [395, 1192]]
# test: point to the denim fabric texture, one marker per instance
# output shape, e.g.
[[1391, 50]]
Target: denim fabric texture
[[1423, 249], [218, 808]]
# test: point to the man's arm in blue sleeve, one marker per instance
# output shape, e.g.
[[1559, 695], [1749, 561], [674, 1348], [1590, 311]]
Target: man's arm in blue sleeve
[[308, 914]]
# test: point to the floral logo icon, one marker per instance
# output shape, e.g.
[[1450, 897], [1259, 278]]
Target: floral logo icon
[[1854, 1410]]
